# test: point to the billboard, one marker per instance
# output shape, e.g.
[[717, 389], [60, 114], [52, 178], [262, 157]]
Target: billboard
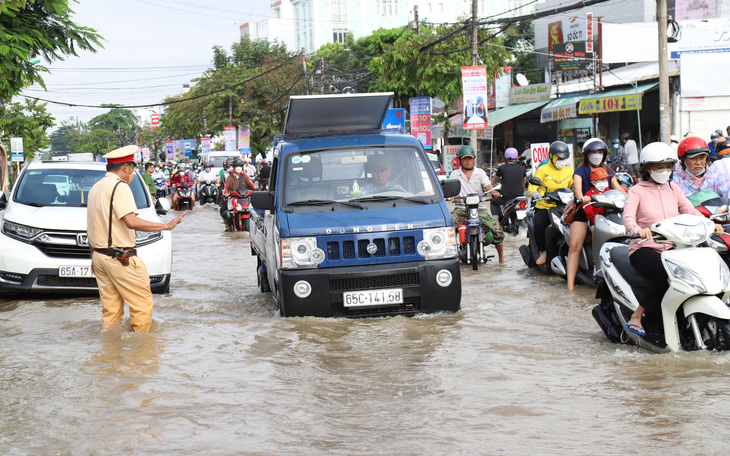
[[420, 108], [474, 86], [571, 56]]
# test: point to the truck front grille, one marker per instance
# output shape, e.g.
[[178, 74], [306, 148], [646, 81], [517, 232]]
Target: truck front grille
[[393, 246], [365, 283]]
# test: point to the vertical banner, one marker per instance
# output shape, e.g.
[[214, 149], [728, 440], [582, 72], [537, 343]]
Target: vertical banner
[[145, 154], [169, 149], [420, 108], [244, 139], [155, 119], [229, 133], [474, 84], [589, 32], [205, 144]]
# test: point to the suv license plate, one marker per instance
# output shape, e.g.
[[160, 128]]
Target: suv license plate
[[75, 271], [383, 297]]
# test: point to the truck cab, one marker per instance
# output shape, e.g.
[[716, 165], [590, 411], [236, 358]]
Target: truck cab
[[354, 222]]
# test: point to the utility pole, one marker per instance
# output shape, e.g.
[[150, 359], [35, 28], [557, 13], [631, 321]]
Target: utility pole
[[304, 68], [474, 59], [415, 18], [664, 123]]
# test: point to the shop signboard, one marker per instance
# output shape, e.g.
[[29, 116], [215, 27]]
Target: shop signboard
[[540, 152], [558, 113], [450, 153], [474, 85], [420, 108], [571, 56], [566, 30], [628, 102], [530, 93]]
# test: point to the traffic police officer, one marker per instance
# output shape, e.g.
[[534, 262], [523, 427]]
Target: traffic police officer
[[112, 220]]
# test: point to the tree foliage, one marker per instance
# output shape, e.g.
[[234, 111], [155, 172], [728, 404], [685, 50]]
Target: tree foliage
[[96, 141], [122, 122], [63, 135], [28, 120], [40, 29], [520, 39]]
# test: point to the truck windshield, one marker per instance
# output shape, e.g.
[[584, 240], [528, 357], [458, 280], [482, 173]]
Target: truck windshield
[[368, 175], [67, 187]]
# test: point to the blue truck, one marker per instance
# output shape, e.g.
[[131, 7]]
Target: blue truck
[[354, 222]]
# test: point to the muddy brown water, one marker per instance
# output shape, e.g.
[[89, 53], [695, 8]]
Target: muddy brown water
[[522, 369]]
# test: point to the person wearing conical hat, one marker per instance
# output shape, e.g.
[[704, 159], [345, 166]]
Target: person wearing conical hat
[[112, 220]]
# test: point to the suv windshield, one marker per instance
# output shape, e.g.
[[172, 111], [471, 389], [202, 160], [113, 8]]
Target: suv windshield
[[67, 187], [361, 175]]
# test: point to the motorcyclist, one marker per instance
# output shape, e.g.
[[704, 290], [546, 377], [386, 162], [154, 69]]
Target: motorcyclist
[[650, 201], [225, 172], [595, 152], [249, 169], [206, 174], [554, 174], [237, 181], [475, 181], [691, 169], [180, 177], [512, 176], [717, 178], [264, 174], [158, 174]]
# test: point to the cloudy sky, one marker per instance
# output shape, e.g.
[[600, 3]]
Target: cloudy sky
[[151, 48]]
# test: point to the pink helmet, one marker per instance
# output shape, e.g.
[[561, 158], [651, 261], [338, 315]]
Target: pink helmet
[[511, 153]]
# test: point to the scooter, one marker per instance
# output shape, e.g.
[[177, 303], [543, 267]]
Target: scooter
[[184, 192], [473, 237], [694, 311], [208, 193], [718, 210], [240, 214], [161, 186], [513, 213], [554, 236]]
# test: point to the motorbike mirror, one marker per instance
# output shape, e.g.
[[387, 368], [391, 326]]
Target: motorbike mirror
[[3, 201], [535, 181], [263, 200], [450, 187], [162, 206]]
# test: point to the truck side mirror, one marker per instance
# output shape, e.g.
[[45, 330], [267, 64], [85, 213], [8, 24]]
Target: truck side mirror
[[450, 187], [263, 200], [3, 201]]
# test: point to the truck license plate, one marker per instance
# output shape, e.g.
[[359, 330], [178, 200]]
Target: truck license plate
[[75, 271], [381, 297]]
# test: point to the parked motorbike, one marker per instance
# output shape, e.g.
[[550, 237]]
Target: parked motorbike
[[161, 186], [208, 192], [718, 210], [185, 192], [240, 215], [513, 212], [694, 314], [473, 236], [554, 236]]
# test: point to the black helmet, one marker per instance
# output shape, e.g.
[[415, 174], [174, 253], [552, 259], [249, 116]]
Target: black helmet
[[559, 149], [237, 162], [227, 162]]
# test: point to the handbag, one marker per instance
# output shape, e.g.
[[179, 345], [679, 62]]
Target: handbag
[[570, 210]]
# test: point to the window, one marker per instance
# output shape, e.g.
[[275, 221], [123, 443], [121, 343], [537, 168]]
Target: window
[[440, 8], [387, 7], [339, 11], [338, 35]]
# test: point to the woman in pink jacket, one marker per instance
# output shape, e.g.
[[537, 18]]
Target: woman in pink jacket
[[650, 201]]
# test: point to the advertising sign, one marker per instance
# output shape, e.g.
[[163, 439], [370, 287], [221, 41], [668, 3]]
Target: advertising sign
[[474, 84], [502, 88], [571, 56], [589, 32], [420, 108], [572, 29], [569, 111], [145, 154], [155, 118], [205, 144], [169, 149], [244, 138], [449, 155], [609, 104], [16, 145], [530, 93], [395, 118], [229, 134]]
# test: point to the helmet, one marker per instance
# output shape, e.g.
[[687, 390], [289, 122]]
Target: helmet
[[691, 146], [616, 141], [181, 168], [559, 149], [207, 165], [246, 160], [658, 152], [466, 151], [511, 153], [237, 162], [714, 134], [722, 148], [227, 162], [598, 173], [719, 132], [595, 145]]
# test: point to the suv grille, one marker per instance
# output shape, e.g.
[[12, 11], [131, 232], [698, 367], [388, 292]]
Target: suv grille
[[72, 282], [62, 244], [64, 251]]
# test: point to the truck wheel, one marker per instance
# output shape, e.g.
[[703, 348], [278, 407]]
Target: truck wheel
[[263, 280]]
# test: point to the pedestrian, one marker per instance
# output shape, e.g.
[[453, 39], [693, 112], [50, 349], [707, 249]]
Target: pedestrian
[[513, 178], [112, 221], [527, 154], [632, 156], [149, 168]]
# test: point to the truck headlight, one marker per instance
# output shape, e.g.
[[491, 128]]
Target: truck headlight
[[300, 253], [438, 243]]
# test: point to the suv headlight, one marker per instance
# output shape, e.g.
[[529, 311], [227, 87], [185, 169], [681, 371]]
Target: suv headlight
[[438, 243], [147, 237], [20, 232], [300, 253]]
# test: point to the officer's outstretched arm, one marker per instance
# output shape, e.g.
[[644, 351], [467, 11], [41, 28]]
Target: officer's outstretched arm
[[135, 223]]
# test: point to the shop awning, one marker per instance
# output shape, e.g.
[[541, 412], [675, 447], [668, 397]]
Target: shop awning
[[624, 99], [559, 109], [510, 112]]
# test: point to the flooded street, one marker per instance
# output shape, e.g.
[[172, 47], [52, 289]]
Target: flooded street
[[523, 368]]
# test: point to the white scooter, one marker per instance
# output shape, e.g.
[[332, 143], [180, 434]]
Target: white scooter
[[694, 310]]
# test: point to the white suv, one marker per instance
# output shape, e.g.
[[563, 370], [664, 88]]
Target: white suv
[[43, 243]]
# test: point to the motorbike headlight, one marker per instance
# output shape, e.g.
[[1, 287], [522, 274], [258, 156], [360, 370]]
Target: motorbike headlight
[[472, 199], [566, 197], [20, 232], [683, 273], [693, 234], [724, 274], [147, 237], [438, 243], [300, 253]]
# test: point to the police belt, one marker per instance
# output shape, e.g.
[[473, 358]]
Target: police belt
[[130, 251]]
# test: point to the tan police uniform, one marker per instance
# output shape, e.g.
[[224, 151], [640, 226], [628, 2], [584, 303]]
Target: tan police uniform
[[118, 283]]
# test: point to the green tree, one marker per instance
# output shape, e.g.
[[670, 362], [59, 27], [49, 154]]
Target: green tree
[[34, 30], [519, 38], [118, 120], [28, 120], [63, 135], [96, 141]]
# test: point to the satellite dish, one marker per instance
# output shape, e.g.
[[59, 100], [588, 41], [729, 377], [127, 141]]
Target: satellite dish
[[521, 79]]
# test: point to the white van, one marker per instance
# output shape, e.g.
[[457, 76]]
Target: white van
[[217, 157]]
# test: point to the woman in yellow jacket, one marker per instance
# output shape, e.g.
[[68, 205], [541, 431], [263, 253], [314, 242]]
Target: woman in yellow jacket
[[554, 174]]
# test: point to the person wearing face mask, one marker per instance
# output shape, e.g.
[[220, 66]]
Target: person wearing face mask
[[237, 181], [112, 221], [619, 155], [652, 200], [714, 139], [158, 174], [180, 177], [554, 174], [691, 169], [717, 177]]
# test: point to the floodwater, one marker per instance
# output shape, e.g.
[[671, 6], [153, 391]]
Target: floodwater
[[522, 369]]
